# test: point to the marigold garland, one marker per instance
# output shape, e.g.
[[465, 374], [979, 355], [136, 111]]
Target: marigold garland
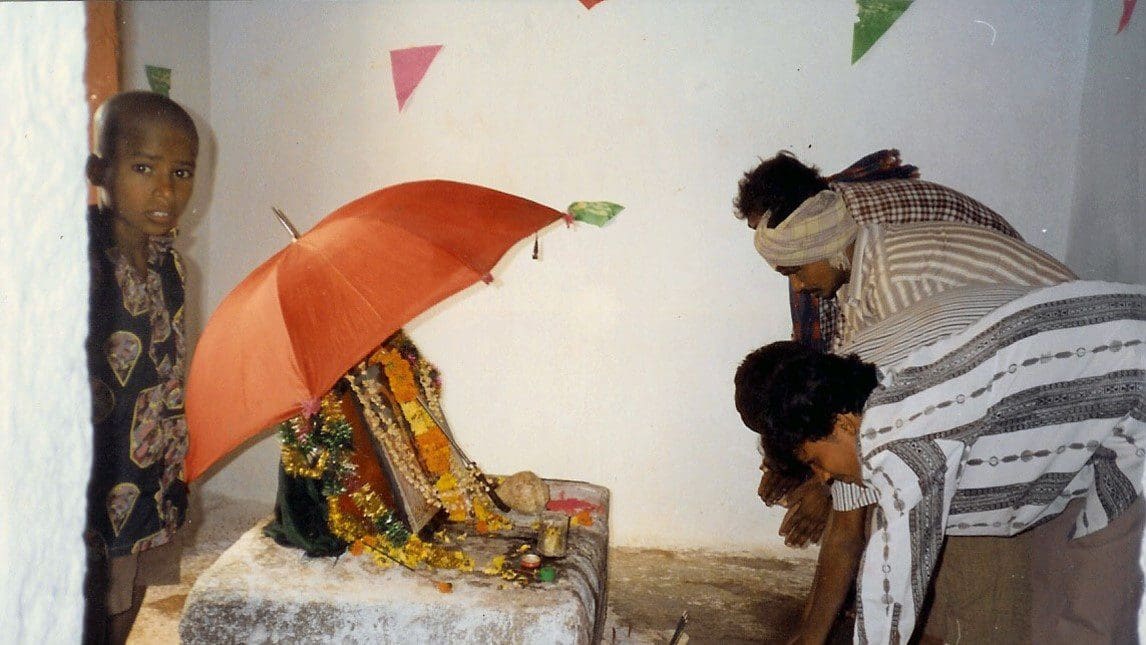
[[434, 451], [320, 448]]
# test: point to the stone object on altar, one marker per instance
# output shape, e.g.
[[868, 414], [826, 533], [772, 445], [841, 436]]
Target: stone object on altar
[[260, 592], [524, 492]]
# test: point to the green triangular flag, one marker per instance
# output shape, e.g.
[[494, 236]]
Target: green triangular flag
[[875, 18], [595, 213], [159, 78]]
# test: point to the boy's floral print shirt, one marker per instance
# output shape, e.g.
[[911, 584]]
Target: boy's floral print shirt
[[137, 497]]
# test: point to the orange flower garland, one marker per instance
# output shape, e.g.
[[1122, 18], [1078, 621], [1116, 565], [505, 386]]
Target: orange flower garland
[[430, 442], [399, 407]]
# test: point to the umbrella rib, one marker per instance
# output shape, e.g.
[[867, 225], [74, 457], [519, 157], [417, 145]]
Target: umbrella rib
[[363, 297], [462, 261], [326, 258]]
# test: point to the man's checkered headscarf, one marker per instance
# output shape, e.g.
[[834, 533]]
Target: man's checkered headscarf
[[820, 229]]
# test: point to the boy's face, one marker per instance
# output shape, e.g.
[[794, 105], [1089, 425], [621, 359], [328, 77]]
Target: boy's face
[[147, 181], [836, 456], [818, 278]]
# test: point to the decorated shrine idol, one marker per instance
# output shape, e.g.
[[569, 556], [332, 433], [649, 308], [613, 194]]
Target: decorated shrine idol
[[374, 466]]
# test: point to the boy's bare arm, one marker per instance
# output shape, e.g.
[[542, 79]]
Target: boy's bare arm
[[836, 568]]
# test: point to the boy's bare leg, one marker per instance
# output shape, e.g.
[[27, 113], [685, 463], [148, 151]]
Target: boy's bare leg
[[119, 625]]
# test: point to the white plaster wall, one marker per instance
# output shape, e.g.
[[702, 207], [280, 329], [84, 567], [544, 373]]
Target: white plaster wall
[[45, 411], [611, 359], [1108, 221], [1108, 227]]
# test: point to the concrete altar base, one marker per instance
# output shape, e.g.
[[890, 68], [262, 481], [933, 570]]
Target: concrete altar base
[[260, 592]]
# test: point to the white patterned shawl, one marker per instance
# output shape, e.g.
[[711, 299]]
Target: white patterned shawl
[[921, 324], [993, 430]]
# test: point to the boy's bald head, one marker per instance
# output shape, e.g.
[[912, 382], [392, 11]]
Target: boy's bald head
[[143, 168], [122, 113]]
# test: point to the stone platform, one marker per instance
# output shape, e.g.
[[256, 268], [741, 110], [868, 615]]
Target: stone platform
[[260, 592]]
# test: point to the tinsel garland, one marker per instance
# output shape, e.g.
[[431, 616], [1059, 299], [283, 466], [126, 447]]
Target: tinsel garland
[[320, 448]]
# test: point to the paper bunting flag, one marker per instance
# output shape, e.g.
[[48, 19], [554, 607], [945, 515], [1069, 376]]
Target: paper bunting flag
[[408, 66], [159, 78], [875, 18], [1127, 12], [595, 213], [589, 4]]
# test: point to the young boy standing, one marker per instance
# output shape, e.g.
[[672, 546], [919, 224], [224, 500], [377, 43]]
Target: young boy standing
[[143, 168]]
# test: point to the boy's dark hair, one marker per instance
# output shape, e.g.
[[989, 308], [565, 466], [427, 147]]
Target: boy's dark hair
[[779, 185], [116, 114], [790, 394]]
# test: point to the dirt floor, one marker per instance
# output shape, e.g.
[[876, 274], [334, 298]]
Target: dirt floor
[[730, 598]]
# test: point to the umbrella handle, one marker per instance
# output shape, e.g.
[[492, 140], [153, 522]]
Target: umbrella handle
[[488, 488], [286, 223]]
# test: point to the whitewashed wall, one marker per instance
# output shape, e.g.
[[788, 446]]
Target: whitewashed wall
[[1108, 227], [45, 435], [611, 359], [1108, 221]]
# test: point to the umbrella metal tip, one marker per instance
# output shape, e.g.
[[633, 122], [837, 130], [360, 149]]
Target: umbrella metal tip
[[285, 222]]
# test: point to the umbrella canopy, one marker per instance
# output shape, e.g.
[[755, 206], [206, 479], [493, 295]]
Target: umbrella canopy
[[285, 335]]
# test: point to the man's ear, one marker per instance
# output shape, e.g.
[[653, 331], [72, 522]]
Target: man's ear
[[94, 169], [848, 423]]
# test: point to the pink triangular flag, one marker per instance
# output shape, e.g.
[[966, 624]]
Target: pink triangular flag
[[589, 4], [408, 66], [1127, 12]]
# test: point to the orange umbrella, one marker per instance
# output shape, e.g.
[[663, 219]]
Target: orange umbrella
[[285, 335]]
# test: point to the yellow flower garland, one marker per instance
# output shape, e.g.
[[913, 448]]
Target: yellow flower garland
[[455, 487]]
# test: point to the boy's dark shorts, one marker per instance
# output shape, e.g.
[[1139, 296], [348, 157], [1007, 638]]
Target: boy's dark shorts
[[157, 566]]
